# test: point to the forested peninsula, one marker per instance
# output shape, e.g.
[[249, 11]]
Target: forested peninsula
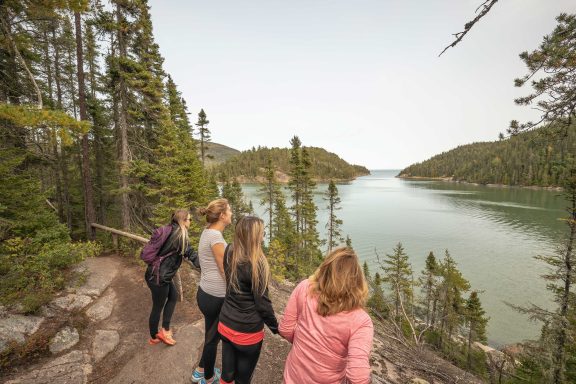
[[249, 166], [527, 159]]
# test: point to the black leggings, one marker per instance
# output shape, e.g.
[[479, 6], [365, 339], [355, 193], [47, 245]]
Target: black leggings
[[164, 297], [239, 361], [210, 307]]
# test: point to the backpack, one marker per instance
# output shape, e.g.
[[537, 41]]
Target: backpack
[[150, 251]]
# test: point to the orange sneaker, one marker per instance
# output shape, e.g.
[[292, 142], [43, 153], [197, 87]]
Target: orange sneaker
[[166, 337], [154, 341]]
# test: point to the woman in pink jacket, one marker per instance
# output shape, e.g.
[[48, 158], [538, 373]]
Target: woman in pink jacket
[[325, 320]]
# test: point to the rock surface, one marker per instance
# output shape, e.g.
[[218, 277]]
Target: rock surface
[[103, 307], [104, 343], [177, 362], [102, 270], [65, 339], [16, 328], [72, 368], [72, 302]]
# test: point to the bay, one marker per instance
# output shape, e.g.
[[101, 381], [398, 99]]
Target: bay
[[493, 233]]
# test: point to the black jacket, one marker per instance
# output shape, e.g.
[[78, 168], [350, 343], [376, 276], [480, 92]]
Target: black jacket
[[245, 311], [170, 264]]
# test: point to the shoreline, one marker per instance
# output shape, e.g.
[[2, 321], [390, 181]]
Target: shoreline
[[451, 180]]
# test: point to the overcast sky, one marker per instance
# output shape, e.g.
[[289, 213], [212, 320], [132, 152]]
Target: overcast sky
[[359, 78]]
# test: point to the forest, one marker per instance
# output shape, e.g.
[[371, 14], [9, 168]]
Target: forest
[[534, 158], [325, 165]]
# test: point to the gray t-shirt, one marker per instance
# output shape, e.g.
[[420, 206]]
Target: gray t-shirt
[[211, 281]]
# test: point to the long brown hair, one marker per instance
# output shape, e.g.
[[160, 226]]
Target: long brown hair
[[213, 210], [339, 283], [247, 248], [179, 217]]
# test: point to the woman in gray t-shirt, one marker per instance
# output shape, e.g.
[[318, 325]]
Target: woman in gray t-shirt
[[212, 287]]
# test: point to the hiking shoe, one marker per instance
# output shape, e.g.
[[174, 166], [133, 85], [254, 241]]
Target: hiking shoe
[[214, 380], [154, 341], [166, 337]]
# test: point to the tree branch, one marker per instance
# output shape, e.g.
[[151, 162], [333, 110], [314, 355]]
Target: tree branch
[[468, 26]]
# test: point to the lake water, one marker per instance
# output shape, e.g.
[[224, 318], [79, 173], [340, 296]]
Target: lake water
[[492, 233]]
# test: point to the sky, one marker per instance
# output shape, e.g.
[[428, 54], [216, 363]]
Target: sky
[[359, 78]]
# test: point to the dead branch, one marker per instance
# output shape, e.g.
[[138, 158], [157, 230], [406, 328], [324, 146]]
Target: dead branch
[[468, 26]]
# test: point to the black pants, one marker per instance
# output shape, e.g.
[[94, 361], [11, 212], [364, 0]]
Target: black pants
[[210, 307], [239, 361], [164, 298]]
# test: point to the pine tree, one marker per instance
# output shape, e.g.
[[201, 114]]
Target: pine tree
[[89, 211], [559, 325], [428, 283], [177, 106], [377, 301], [398, 275], [269, 189], [553, 92], [203, 133], [476, 321], [450, 301], [333, 225]]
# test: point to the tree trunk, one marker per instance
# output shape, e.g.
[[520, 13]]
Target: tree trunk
[[89, 213], [123, 126], [559, 352], [61, 157]]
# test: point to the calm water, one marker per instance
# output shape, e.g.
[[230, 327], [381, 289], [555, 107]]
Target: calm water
[[492, 233]]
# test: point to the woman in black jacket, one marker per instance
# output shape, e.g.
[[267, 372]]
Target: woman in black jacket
[[246, 307], [164, 293]]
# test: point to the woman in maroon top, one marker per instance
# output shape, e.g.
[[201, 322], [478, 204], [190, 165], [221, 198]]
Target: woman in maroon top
[[246, 307]]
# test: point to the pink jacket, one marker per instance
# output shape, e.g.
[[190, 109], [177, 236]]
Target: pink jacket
[[325, 350]]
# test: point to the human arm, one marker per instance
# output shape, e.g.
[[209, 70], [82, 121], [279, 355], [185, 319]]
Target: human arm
[[264, 308], [218, 252], [290, 318], [359, 347]]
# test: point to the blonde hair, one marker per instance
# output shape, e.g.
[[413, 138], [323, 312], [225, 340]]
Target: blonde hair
[[179, 217], [339, 283], [214, 209], [247, 248]]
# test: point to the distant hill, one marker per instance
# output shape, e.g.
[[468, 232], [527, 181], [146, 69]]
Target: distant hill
[[249, 165], [528, 159], [219, 153]]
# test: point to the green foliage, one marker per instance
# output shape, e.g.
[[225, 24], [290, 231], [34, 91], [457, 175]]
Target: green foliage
[[529, 158], [324, 165], [553, 91], [334, 232], [398, 275]]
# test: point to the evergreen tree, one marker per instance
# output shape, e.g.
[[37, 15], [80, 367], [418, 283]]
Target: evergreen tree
[[269, 190], [556, 345], [203, 133], [398, 275], [553, 92], [333, 225], [450, 301], [177, 106], [476, 322], [376, 300], [428, 283]]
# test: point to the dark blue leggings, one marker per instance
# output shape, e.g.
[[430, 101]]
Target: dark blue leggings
[[164, 299], [239, 361]]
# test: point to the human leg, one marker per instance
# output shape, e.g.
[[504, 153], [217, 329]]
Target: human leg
[[159, 296], [170, 305], [210, 307], [228, 361], [246, 360]]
